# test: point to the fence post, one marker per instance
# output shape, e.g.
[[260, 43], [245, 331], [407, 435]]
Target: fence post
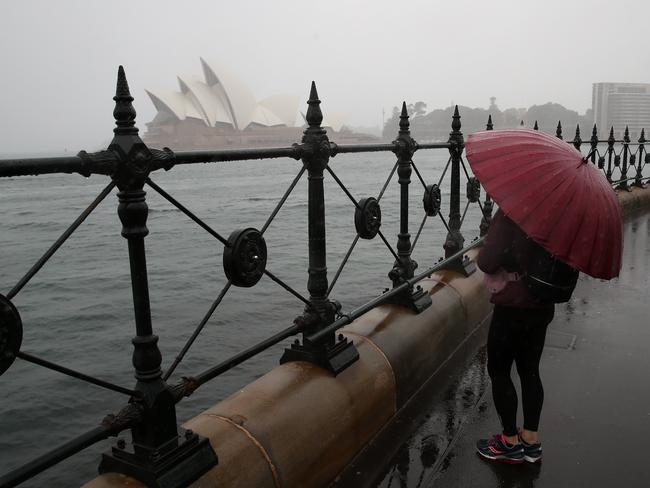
[[577, 141], [610, 152], [594, 143], [638, 180], [488, 206], [404, 267], [158, 456], [558, 130], [455, 240], [626, 152], [331, 353]]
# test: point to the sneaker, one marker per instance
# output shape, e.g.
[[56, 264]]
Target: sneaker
[[532, 452], [497, 449]]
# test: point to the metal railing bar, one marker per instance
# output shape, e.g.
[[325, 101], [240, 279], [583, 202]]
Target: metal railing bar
[[59, 242], [462, 219], [390, 248], [424, 185], [224, 155], [629, 179], [360, 148], [417, 236], [282, 200], [342, 265], [444, 172], [75, 374], [31, 469], [110, 426], [340, 183], [197, 330], [434, 145], [480, 205], [381, 299], [444, 222], [75, 164], [239, 358], [187, 212], [39, 166], [286, 287], [462, 162], [390, 177]]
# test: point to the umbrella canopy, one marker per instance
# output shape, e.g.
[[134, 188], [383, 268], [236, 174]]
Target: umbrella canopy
[[559, 200]]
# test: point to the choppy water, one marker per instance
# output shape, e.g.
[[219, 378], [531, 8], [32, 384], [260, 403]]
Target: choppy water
[[77, 311]]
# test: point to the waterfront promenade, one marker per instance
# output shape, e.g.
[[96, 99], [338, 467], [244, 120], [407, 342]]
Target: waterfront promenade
[[596, 418]]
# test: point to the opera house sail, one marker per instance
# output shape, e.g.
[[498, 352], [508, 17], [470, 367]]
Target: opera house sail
[[220, 111]]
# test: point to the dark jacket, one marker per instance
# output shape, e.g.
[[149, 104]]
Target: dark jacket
[[506, 246]]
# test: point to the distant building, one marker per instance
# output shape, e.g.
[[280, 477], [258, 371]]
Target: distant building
[[220, 111], [621, 104]]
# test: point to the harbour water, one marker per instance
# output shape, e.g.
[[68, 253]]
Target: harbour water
[[77, 311]]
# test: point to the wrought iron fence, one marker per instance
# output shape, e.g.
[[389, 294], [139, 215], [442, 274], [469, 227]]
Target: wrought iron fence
[[618, 159], [158, 444]]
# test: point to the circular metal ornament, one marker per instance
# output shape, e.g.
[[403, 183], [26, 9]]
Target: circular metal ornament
[[244, 259], [601, 162], [11, 333], [367, 218], [432, 200], [473, 190]]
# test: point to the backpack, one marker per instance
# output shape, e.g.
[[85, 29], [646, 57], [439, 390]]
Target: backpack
[[549, 279]]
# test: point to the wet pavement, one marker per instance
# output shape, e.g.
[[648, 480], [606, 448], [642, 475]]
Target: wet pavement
[[595, 425]]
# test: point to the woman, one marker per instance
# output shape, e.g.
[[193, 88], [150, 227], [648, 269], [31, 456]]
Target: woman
[[517, 334]]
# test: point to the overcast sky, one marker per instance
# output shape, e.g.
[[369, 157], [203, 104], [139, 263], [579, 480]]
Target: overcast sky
[[60, 58]]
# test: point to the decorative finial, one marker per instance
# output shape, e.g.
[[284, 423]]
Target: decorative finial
[[577, 140], [594, 133], [558, 131], [535, 127], [455, 122], [489, 125], [626, 135], [521, 123], [611, 140], [314, 115], [642, 137], [124, 113], [404, 120]]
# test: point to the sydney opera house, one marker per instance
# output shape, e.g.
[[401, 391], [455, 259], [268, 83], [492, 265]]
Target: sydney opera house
[[220, 111]]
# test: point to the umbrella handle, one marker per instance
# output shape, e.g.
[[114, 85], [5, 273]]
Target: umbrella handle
[[586, 158]]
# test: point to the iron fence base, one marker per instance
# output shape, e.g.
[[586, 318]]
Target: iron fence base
[[466, 267], [334, 358], [163, 468], [414, 298]]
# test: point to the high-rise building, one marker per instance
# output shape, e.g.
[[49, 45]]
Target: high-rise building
[[619, 105]]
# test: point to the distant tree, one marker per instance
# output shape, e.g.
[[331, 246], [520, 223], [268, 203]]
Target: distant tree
[[416, 109], [436, 124]]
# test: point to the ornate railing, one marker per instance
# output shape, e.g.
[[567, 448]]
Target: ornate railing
[[622, 160], [158, 444]]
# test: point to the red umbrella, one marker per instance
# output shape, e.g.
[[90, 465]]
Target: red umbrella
[[548, 188]]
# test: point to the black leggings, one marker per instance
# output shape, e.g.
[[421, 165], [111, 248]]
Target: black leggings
[[517, 334]]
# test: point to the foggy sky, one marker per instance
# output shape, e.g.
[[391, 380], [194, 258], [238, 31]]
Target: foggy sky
[[59, 58]]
